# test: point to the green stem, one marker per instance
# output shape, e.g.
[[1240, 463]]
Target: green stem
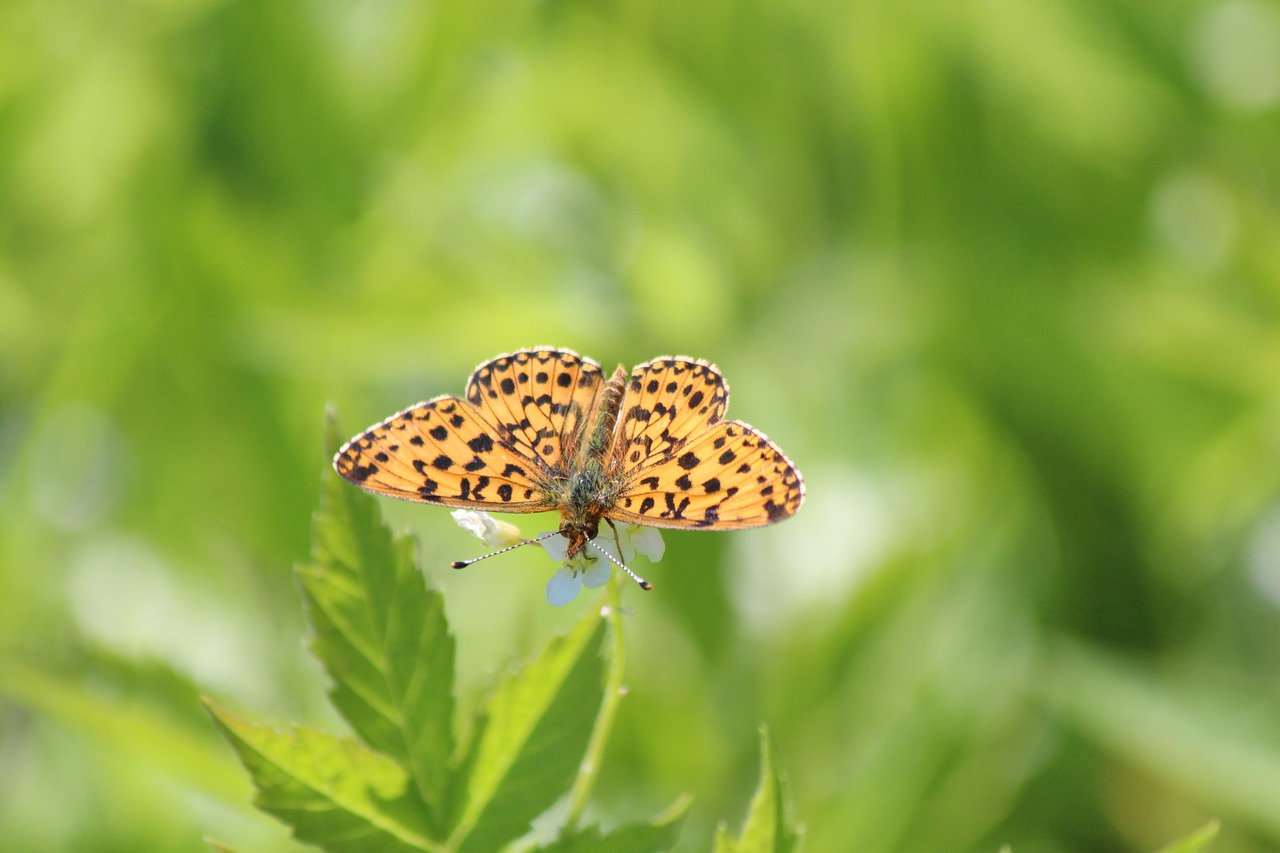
[[613, 690]]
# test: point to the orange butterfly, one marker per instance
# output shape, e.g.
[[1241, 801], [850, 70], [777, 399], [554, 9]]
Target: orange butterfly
[[542, 429]]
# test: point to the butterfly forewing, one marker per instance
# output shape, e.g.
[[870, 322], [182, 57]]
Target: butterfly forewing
[[443, 452], [727, 477], [538, 399]]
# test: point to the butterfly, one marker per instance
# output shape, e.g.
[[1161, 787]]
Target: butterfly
[[543, 429]]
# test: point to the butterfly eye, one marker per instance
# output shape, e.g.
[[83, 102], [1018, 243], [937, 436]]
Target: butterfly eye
[[592, 530]]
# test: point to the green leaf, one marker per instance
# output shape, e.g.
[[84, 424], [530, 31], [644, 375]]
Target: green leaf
[[119, 721], [653, 837], [529, 743], [333, 792], [769, 827], [1196, 842], [1194, 738], [383, 638]]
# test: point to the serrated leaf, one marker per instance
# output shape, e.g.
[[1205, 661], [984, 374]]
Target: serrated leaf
[[653, 837], [382, 636], [769, 827], [1196, 842], [529, 743], [333, 792]]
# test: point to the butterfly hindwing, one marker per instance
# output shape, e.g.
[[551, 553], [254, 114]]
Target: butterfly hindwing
[[538, 399], [728, 477], [443, 452], [685, 467]]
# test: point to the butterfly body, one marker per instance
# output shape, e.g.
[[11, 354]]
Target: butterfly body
[[589, 478], [542, 429]]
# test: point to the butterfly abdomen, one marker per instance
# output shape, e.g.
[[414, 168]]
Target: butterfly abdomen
[[604, 419]]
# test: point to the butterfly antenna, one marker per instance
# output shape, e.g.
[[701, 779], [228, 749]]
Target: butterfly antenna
[[462, 564], [644, 584]]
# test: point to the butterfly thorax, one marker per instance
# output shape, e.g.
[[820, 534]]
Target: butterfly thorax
[[593, 476]]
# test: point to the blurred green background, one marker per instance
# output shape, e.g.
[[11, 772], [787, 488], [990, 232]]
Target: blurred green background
[[1001, 276]]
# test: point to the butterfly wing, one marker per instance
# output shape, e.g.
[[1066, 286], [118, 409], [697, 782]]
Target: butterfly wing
[[684, 466], [538, 399], [727, 477], [522, 423], [444, 452], [668, 400]]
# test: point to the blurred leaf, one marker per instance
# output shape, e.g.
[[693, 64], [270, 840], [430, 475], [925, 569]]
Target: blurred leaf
[[769, 827], [218, 846], [1200, 743], [653, 837], [1196, 841], [333, 792], [382, 636], [1028, 252], [531, 738], [148, 735]]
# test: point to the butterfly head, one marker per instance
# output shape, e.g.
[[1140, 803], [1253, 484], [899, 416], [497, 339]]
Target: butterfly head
[[579, 531]]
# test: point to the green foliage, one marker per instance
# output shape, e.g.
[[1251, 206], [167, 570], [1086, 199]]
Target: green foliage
[[531, 738], [629, 838], [1001, 277], [769, 827], [1196, 842], [381, 635], [218, 846], [334, 792]]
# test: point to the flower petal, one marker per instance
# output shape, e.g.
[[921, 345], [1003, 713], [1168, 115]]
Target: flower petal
[[627, 545], [557, 547], [563, 587], [494, 533], [597, 574], [605, 543], [507, 534], [648, 541], [471, 521]]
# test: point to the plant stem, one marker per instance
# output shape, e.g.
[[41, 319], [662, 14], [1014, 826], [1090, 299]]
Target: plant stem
[[613, 690]]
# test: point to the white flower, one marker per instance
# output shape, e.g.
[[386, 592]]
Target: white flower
[[589, 570], [589, 567], [646, 540], [494, 533], [632, 539]]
